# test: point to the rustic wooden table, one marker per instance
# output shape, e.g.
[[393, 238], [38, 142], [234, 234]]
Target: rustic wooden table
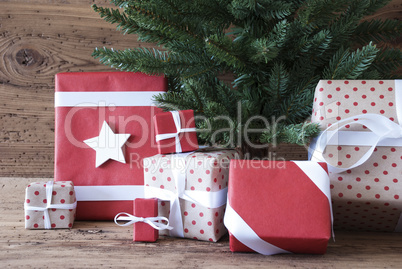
[[96, 244]]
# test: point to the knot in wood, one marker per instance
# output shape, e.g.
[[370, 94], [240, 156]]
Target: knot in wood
[[28, 57]]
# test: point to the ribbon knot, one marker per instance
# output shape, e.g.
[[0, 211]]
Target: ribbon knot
[[49, 205], [177, 123], [154, 222]]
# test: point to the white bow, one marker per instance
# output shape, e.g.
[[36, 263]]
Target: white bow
[[152, 221]]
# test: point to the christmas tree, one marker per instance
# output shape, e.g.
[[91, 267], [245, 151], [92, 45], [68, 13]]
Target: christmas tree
[[277, 51]]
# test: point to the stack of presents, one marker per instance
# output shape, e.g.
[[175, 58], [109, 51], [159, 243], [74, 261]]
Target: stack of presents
[[119, 157]]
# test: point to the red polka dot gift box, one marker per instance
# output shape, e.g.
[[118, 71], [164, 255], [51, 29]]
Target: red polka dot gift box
[[103, 130], [362, 144], [175, 131], [50, 205], [278, 207], [192, 188]]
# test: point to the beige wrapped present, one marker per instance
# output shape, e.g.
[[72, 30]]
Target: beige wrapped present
[[363, 143], [50, 205], [194, 189]]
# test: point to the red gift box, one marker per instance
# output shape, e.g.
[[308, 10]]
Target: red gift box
[[175, 131], [145, 219], [145, 208], [278, 207], [83, 103]]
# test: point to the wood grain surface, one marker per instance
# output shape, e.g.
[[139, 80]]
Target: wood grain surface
[[104, 244], [96, 244], [39, 38]]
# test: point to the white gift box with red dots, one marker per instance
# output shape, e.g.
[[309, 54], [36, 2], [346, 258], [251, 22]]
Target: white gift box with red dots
[[367, 197], [35, 196], [205, 171]]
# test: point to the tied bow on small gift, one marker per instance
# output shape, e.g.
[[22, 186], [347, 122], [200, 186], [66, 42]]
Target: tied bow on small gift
[[154, 222], [177, 123]]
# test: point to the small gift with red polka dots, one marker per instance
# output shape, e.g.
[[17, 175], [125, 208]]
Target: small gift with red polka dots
[[196, 183], [50, 205], [368, 196]]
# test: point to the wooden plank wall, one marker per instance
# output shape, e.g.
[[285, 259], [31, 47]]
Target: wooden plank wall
[[39, 38]]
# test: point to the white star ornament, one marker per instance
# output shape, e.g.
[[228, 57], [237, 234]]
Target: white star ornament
[[108, 145]]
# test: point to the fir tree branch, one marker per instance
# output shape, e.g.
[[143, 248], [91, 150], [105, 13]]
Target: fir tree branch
[[278, 82], [377, 31], [223, 53], [356, 63], [376, 5], [292, 100], [153, 61], [269, 47], [299, 134], [338, 60], [197, 98], [387, 62], [174, 101], [320, 13], [114, 16], [267, 9]]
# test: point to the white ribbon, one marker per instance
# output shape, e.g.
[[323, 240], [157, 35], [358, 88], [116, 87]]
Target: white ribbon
[[203, 198], [154, 222], [247, 236], [49, 193], [127, 192], [109, 193], [321, 179], [177, 123], [360, 138], [102, 98], [381, 127]]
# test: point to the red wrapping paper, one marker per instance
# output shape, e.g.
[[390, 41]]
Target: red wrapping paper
[[281, 204], [75, 161], [145, 208], [164, 124]]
